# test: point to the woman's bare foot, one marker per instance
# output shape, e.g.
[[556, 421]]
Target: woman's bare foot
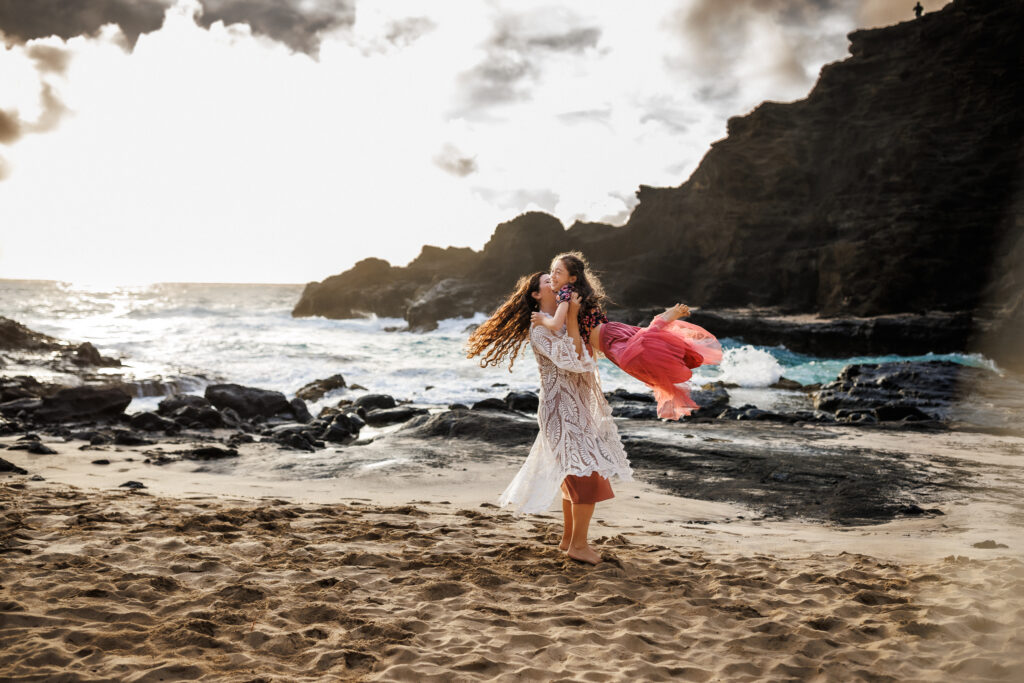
[[676, 312], [584, 554], [564, 545]]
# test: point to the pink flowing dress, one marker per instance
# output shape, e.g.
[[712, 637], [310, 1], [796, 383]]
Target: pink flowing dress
[[662, 356]]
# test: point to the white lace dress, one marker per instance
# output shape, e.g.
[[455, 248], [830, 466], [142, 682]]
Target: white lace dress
[[577, 433]]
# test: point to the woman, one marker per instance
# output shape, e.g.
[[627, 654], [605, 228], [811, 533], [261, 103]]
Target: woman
[[578, 448]]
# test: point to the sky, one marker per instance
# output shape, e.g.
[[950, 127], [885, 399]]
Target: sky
[[284, 140]]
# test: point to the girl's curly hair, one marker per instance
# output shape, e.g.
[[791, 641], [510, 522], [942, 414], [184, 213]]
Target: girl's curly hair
[[587, 284], [502, 335]]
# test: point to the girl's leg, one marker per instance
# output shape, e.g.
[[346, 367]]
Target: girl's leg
[[567, 517], [579, 549], [676, 312]]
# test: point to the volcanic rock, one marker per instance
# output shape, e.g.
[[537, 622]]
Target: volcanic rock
[[248, 401], [83, 403], [6, 466], [374, 402], [502, 429], [316, 389], [151, 422], [171, 404]]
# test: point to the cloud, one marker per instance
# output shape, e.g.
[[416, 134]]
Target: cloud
[[299, 24], [49, 58], [517, 52], [24, 21], [406, 31], [10, 127], [453, 161]]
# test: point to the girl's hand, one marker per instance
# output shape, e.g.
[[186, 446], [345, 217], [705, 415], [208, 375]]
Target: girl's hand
[[574, 302], [536, 318]]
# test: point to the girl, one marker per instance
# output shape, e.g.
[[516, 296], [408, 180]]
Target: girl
[[578, 447], [661, 355]]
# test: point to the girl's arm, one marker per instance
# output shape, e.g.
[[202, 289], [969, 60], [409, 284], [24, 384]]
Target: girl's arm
[[572, 325], [556, 322]]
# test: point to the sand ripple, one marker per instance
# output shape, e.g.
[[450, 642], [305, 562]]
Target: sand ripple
[[129, 587]]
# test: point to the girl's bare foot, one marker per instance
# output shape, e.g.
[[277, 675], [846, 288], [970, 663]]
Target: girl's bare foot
[[676, 312], [584, 554]]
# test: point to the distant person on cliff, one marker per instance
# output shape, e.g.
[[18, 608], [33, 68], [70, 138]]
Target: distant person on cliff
[[918, 10], [661, 355], [578, 448]]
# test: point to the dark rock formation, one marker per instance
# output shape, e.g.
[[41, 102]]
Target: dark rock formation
[[87, 354], [82, 403], [248, 401], [316, 389], [151, 422], [496, 428], [375, 402], [16, 337], [898, 391], [893, 189], [523, 401], [6, 466]]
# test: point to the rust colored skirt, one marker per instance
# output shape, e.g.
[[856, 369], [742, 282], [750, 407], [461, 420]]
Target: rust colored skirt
[[586, 490]]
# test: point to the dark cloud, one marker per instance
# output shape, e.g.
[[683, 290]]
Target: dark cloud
[[299, 24], [49, 59], [407, 31], [10, 127], [515, 56], [453, 161], [24, 20]]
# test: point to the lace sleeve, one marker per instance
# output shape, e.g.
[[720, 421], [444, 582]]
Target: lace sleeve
[[560, 350]]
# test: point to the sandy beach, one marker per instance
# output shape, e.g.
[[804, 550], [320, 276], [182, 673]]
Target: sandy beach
[[416, 576]]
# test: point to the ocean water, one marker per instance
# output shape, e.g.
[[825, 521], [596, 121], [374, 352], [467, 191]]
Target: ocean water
[[245, 334]]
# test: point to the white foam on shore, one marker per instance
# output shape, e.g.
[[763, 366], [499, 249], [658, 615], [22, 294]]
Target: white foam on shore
[[749, 366]]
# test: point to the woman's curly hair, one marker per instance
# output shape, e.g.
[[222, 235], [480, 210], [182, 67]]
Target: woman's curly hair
[[502, 335]]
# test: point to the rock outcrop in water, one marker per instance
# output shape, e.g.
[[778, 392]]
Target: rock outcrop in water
[[893, 188]]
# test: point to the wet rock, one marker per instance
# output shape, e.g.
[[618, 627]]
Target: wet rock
[[635, 411], [316, 389], [39, 448], [236, 440], [208, 453], [786, 384], [123, 437], [6, 466], [134, 485], [632, 396], [84, 402], [198, 418], [15, 406], [99, 439], [86, 354], [490, 404], [22, 386], [374, 402], [386, 416], [299, 410], [151, 422], [248, 401], [502, 429], [457, 406], [712, 398], [908, 389], [988, 545], [523, 401], [171, 404], [101, 461], [16, 337]]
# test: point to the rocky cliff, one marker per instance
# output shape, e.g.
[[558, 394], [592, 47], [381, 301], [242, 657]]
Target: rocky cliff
[[894, 188]]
